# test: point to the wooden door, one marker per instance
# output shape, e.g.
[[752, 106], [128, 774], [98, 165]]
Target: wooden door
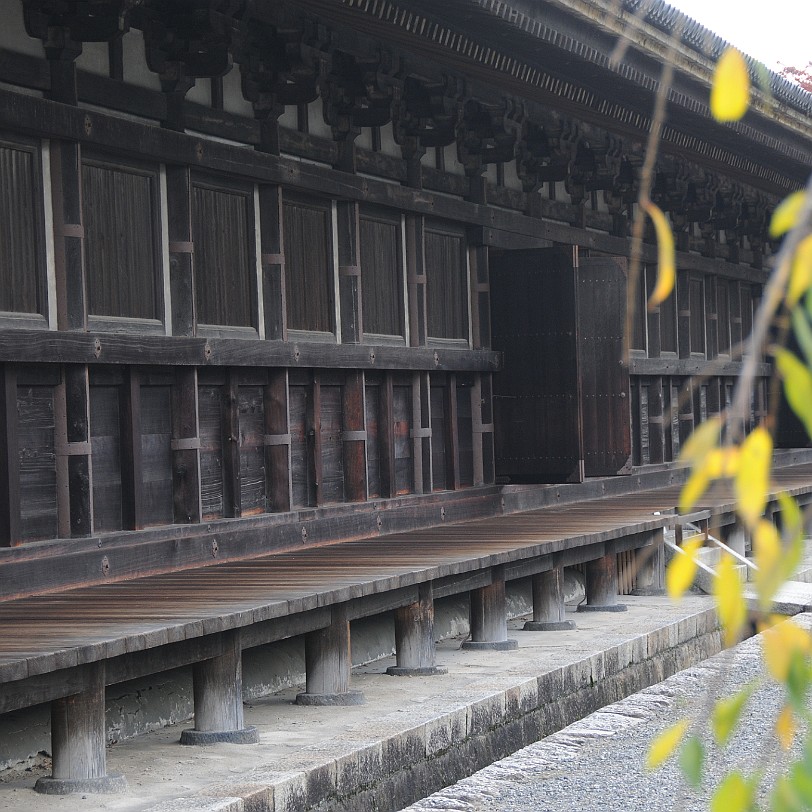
[[605, 406], [537, 421]]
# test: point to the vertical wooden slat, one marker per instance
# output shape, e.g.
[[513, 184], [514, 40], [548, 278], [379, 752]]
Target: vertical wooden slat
[[480, 296], [73, 445], [416, 279], [185, 447], [181, 249], [273, 262], [654, 316], [453, 433], [421, 432], [686, 411], [68, 235], [477, 431], [9, 459], [386, 437], [277, 449], [349, 271], [313, 423], [711, 317], [355, 468], [231, 446], [132, 475], [683, 315], [655, 421]]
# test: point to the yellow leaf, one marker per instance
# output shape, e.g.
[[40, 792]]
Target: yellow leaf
[[800, 278], [730, 93], [665, 744], [786, 214], [768, 555], [694, 487], [666, 258], [797, 386], [780, 643], [753, 476], [723, 462], [682, 569], [785, 727], [734, 794], [727, 589], [703, 439]]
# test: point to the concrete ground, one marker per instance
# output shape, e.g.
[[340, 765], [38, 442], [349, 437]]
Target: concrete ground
[[413, 735], [598, 762]]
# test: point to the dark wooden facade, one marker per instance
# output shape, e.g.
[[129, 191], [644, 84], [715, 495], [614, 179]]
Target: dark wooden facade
[[248, 257]]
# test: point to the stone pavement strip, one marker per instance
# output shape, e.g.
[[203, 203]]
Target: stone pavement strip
[[598, 762], [415, 734]]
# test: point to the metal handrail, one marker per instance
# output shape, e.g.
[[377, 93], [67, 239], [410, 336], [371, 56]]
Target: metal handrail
[[700, 564]]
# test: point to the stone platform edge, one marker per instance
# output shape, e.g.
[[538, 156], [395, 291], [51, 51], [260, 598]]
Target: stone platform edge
[[394, 772]]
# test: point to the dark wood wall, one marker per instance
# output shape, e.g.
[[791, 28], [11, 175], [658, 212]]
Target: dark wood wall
[[278, 299]]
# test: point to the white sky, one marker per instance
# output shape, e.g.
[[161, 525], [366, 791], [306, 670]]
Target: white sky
[[773, 31]]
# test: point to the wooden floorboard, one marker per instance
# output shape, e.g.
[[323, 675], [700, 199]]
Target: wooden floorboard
[[80, 625]]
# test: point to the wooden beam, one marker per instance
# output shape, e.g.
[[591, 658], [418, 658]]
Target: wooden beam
[[416, 279], [51, 346], [9, 459], [74, 482]]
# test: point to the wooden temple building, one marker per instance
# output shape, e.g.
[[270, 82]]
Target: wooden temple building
[[281, 277]]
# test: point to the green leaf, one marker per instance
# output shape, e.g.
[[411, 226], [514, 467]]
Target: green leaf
[[801, 783], [726, 714], [691, 760], [803, 332], [798, 680], [797, 386], [784, 798], [734, 794]]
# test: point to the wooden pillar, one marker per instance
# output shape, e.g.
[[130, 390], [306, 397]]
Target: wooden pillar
[[132, 487], [78, 740], [548, 603], [181, 250], [414, 638], [66, 190], [421, 431], [650, 566], [481, 292], [73, 468], [273, 262], [354, 438], [657, 420], [349, 272], [416, 279], [277, 442], [328, 664], [217, 685], [185, 447], [489, 616], [601, 586], [9, 459], [231, 446]]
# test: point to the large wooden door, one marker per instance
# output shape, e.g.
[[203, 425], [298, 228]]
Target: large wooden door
[[537, 429], [605, 408]]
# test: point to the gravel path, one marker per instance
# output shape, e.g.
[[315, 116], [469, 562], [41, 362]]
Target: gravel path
[[596, 765]]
